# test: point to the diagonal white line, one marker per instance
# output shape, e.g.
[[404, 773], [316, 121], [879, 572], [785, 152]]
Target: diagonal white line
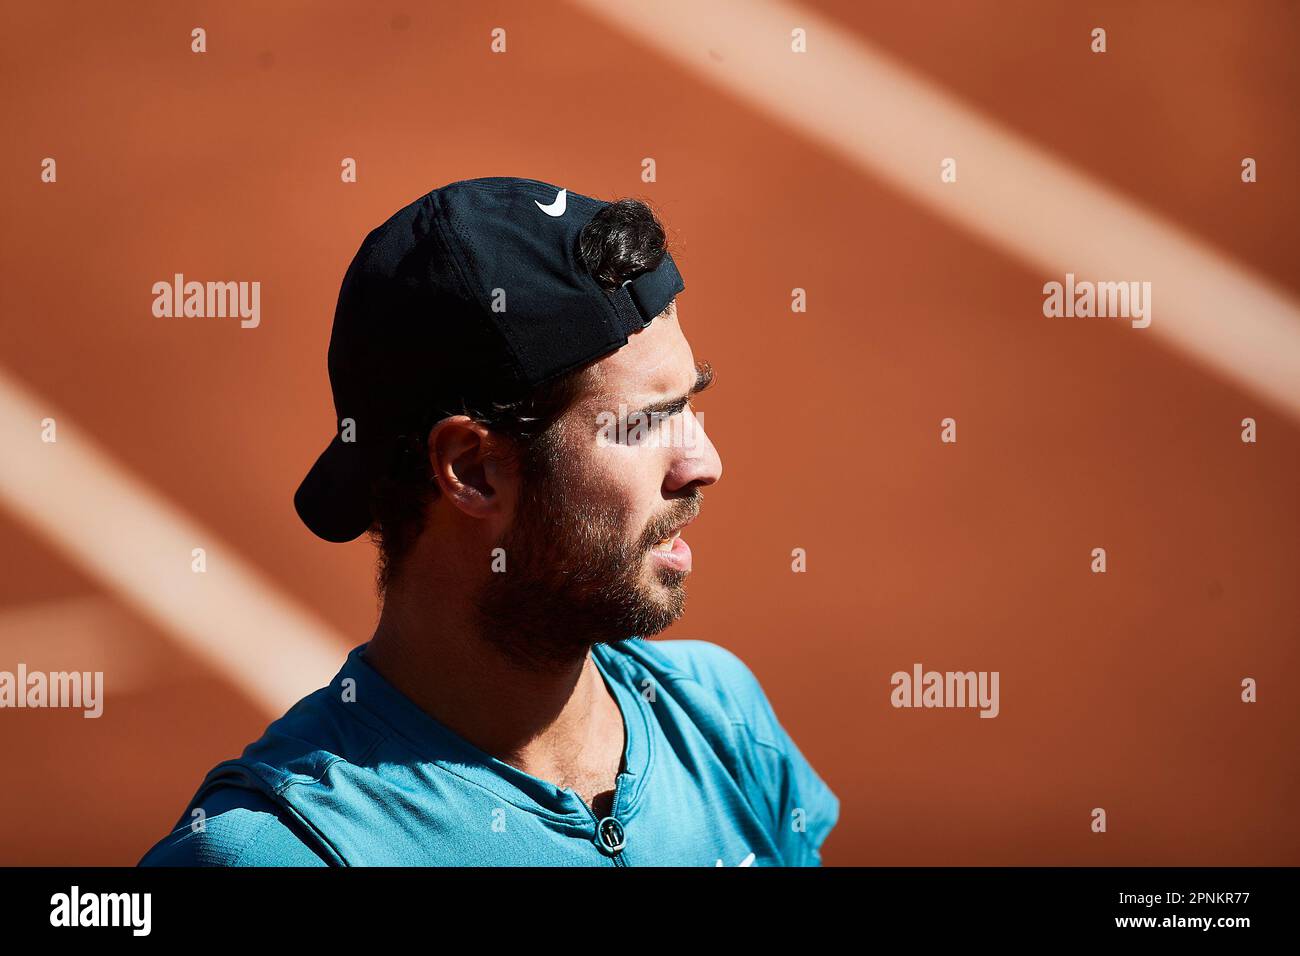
[[138, 546], [887, 120]]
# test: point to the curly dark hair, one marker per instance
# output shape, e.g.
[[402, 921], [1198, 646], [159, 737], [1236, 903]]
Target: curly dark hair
[[623, 240]]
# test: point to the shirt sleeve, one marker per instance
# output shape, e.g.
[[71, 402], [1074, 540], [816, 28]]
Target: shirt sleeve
[[803, 806], [240, 828]]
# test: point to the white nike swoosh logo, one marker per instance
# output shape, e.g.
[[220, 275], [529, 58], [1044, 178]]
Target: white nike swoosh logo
[[556, 208], [747, 861]]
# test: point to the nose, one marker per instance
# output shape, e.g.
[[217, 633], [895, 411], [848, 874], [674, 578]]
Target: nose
[[695, 460]]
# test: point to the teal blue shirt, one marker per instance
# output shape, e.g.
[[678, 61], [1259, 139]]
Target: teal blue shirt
[[355, 774]]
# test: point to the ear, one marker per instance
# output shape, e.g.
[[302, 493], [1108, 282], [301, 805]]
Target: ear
[[469, 466]]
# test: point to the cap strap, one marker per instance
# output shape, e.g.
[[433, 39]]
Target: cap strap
[[637, 301]]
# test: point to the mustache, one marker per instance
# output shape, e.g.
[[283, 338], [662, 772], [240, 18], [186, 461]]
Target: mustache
[[681, 510]]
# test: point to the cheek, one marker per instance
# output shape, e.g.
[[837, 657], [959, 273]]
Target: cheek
[[630, 478]]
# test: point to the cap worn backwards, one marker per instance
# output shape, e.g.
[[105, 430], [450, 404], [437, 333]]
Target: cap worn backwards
[[476, 287]]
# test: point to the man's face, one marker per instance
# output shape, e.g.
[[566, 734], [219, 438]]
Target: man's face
[[595, 552]]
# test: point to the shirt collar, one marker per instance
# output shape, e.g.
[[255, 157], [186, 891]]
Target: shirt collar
[[438, 744]]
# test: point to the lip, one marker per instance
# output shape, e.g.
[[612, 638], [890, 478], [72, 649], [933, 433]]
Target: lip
[[679, 556]]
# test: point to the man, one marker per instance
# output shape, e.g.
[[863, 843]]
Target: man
[[510, 377]]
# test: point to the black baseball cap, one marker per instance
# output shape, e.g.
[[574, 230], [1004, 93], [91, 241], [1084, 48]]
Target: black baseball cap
[[475, 289]]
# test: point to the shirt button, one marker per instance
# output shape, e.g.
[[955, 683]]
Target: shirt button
[[611, 837]]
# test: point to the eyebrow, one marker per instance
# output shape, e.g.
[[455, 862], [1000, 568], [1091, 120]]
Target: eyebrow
[[703, 379]]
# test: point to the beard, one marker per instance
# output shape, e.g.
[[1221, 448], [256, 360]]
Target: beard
[[573, 578]]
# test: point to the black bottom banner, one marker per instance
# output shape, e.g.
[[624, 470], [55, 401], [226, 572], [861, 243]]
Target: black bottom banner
[[579, 906]]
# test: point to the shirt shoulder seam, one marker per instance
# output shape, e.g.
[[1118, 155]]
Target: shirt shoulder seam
[[753, 735]]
